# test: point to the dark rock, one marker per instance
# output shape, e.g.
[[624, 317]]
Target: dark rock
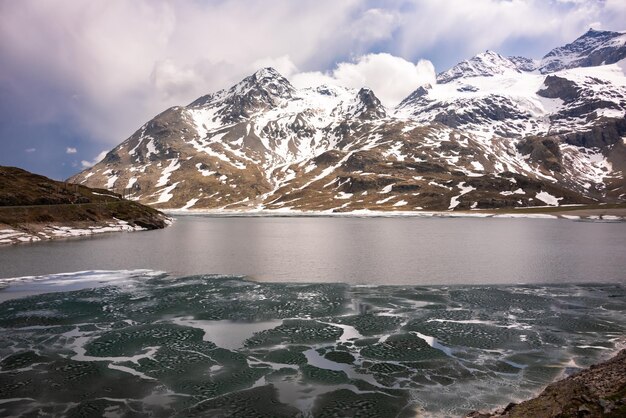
[[364, 183], [417, 94], [361, 161], [556, 87], [373, 107], [607, 133], [543, 151]]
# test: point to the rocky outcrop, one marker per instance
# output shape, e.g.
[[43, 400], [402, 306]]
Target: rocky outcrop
[[543, 151], [607, 132], [555, 87], [599, 391]]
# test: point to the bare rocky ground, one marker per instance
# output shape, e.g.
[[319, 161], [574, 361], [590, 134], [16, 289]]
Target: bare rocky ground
[[599, 391]]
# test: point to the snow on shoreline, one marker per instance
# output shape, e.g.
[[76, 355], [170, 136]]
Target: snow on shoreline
[[366, 213], [48, 232]]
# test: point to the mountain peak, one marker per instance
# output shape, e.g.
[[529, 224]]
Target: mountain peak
[[365, 105], [496, 136], [373, 108], [596, 33], [593, 48], [267, 79], [267, 73], [486, 63], [263, 88], [488, 53]]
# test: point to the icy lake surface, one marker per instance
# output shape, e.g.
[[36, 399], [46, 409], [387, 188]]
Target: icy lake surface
[[351, 250], [148, 344], [406, 316]]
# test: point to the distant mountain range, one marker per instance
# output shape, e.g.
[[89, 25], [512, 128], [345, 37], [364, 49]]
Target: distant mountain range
[[492, 132]]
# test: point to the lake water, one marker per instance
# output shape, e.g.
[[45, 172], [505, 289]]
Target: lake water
[[338, 316], [351, 250]]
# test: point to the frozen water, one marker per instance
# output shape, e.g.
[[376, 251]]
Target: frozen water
[[202, 345]]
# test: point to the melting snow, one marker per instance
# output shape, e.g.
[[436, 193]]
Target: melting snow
[[190, 203], [454, 202], [166, 194], [548, 199], [385, 200], [111, 181], [205, 173], [151, 148], [508, 192], [167, 172], [131, 182], [342, 195]]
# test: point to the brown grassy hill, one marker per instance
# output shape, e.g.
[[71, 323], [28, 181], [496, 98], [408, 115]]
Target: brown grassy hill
[[30, 203]]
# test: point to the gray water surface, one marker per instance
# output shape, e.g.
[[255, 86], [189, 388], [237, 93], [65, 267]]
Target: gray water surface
[[353, 250]]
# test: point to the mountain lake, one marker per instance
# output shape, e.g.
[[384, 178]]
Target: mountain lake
[[307, 316]]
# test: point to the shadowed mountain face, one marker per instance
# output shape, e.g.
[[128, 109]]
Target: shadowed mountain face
[[493, 132]]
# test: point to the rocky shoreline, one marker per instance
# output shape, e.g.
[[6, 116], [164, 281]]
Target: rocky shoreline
[[599, 391]]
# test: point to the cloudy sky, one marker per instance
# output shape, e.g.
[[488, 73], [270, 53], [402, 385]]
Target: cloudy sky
[[78, 77]]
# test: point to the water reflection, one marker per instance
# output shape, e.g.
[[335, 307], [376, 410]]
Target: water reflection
[[355, 250]]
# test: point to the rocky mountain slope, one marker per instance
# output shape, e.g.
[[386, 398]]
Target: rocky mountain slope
[[493, 132]]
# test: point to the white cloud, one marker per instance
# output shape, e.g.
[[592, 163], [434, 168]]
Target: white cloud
[[70, 150], [468, 27], [30, 150], [115, 64], [96, 160], [105, 67], [374, 25], [391, 78]]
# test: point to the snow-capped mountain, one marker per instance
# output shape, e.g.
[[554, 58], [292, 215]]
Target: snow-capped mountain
[[493, 132], [591, 49], [486, 64]]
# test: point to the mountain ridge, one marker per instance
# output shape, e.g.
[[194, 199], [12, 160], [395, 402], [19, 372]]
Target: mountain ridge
[[490, 134]]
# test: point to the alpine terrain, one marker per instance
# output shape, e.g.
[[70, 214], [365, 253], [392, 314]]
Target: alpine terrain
[[493, 132]]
